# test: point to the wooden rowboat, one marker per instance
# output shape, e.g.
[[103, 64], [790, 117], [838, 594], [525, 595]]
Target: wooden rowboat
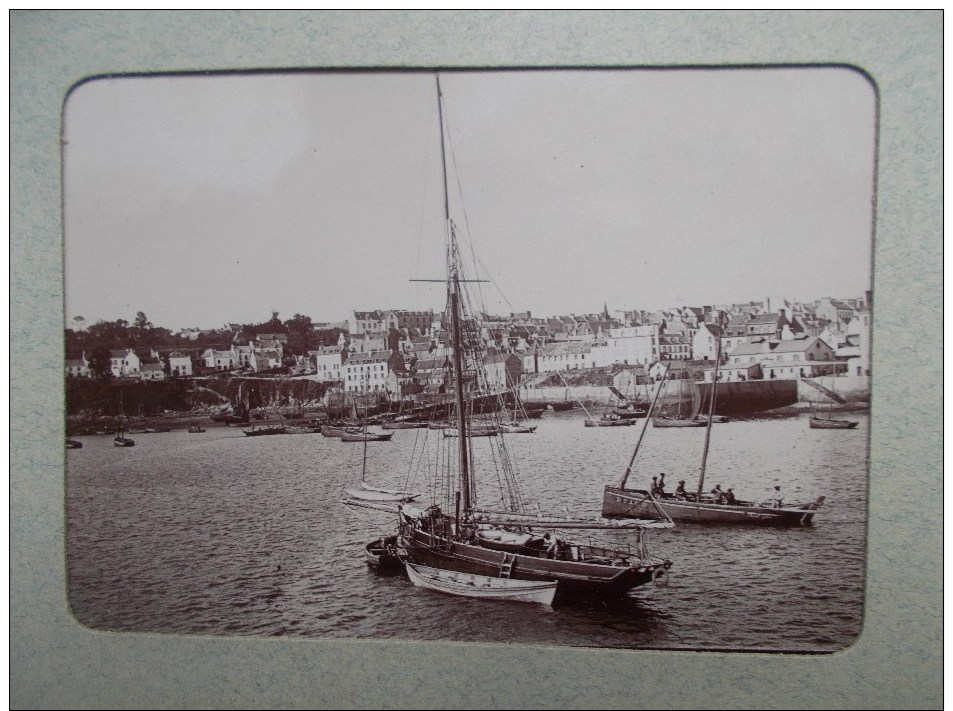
[[485, 587]]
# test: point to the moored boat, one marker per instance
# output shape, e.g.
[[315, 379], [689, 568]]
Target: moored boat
[[366, 436], [618, 501], [484, 587], [267, 430], [824, 423], [675, 422], [449, 535], [381, 554], [622, 502], [609, 421]]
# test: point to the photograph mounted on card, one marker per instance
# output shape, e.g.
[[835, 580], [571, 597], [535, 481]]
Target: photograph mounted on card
[[576, 357]]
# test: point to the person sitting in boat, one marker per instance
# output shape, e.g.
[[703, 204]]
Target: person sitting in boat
[[730, 497], [777, 497], [554, 547], [655, 489], [661, 485], [680, 492], [718, 494]]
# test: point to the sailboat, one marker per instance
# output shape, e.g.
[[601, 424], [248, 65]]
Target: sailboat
[[456, 536], [120, 440], [698, 507], [819, 422], [677, 420]]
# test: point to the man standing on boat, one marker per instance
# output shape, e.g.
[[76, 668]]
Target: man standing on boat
[[778, 497]]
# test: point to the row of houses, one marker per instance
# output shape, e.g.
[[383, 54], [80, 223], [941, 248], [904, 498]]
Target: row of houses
[[127, 363]]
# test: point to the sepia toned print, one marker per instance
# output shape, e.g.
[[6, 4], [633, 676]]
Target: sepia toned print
[[663, 422]]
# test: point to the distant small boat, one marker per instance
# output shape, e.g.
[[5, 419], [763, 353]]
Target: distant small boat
[[473, 431], [366, 436], [609, 421], [481, 586], [262, 431], [370, 493], [715, 419], [516, 428], [823, 423], [73, 444], [403, 425], [675, 422], [122, 441], [196, 429]]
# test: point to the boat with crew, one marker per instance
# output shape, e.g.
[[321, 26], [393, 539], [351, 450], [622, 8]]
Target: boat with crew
[[619, 502]]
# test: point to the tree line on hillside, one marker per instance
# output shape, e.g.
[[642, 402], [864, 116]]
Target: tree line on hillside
[[98, 339]]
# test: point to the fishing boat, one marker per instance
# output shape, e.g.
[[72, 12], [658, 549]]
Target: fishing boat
[[698, 507], [196, 429], [73, 444], [485, 587], [337, 430], [826, 423], [451, 534]]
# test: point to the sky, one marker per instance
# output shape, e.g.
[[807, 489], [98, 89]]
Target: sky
[[202, 200]]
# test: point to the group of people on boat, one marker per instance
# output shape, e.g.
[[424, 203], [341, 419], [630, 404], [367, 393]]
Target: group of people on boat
[[718, 496]]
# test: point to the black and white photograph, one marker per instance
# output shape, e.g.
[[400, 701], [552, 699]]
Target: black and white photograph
[[573, 357]]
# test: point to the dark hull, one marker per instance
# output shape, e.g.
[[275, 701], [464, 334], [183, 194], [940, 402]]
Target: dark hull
[[819, 423], [266, 431], [574, 578], [381, 554], [749, 396], [627, 503], [668, 422]]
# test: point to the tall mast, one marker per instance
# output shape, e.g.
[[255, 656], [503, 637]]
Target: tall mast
[[456, 336], [711, 413]]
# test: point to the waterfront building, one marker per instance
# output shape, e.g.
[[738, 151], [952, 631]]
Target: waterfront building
[[372, 372], [327, 363]]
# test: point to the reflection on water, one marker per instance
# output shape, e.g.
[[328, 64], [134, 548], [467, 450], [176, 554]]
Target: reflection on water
[[217, 533]]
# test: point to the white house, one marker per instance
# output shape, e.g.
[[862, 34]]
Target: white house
[[77, 367], [327, 360], [180, 364], [220, 360], [124, 362], [705, 342], [152, 371], [369, 372]]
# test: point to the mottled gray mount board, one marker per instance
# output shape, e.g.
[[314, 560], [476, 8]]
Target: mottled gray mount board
[[896, 663]]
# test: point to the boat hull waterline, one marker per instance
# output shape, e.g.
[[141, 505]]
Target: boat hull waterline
[[618, 502]]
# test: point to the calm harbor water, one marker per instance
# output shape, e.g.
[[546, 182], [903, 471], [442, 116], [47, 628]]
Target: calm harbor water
[[218, 533]]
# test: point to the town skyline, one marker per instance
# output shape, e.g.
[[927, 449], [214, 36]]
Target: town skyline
[[188, 197], [613, 313]]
